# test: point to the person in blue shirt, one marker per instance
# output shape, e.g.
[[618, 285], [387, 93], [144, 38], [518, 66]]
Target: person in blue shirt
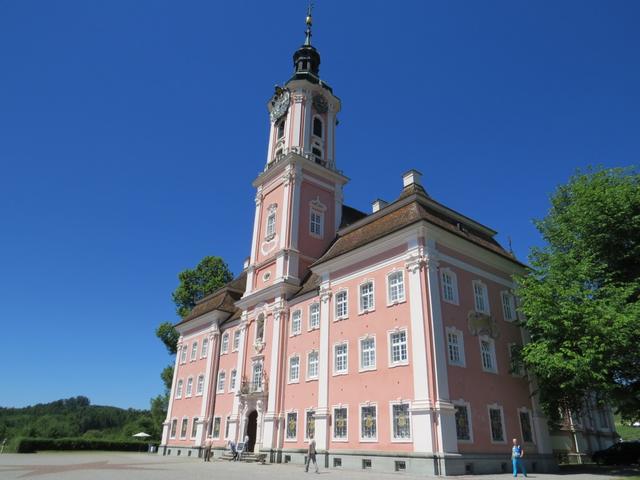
[[517, 452]]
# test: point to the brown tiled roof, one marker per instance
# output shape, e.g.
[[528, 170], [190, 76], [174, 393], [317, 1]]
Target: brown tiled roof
[[310, 283]]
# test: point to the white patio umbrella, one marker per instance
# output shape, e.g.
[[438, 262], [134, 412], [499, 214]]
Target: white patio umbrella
[[141, 435]]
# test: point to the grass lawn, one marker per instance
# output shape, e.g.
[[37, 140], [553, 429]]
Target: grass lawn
[[627, 432]]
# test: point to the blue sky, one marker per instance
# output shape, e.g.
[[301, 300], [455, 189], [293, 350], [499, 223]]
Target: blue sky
[[130, 133]]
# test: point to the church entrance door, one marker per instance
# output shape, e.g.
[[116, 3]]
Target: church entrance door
[[252, 427]]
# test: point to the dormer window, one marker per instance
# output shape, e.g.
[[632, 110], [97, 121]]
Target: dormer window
[[317, 127]]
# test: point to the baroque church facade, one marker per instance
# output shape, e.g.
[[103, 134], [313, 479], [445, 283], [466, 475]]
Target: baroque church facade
[[387, 337]]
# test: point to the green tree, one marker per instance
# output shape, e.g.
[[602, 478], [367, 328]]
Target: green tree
[[168, 334], [209, 275], [581, 297]]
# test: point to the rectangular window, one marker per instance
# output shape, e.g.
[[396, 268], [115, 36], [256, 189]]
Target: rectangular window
[[236, 340], [179, 389], [312, 365], [454, 348], [368, 423], [525, 426], [294, 369], [315, 223], [174, 427], [225, 343], [366, 297], [310, 425], [401, 423], [398, 347], [449, 287], [368, 353], [256, 380], [189, 387], [183, 428], [216, 427], [232, 381], [271, 225], [340, 423], [292, 425], [396, 287], [226, 427], [487, 349], [463, 427], [194, 350], [508, 306], [205, 347], [314, 316], [296, 320], [340, 360], [221, 379], [194, 427], [183, 354], [200, 387], [341, 304], [481, 297], [495, 420]]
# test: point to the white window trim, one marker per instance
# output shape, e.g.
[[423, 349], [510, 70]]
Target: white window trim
[[339, 372], [404, 288], [306, 411], [286, 427], [321, 124], [319, 213], [183, 354], [333, 429], [297, 380], [188, 393], [233, 347], [293, 332], [467, 405], [173, 433], [400, 440], [335, 307], [487, 310], [179, 388], [362, 439], [203, 352], [224, 349], [227, 423], [271, 210], [494, 359], [218, 389], [194, 421], [194, 352], [264, 328], [375, 343], [235, 380], [460, 335], [199, 394], [495, 406], [311, 328], [506, 295], [186, 433], [402, 363], [315, 378], [454, 285], [362, 311], [533, 432], [213, 428]]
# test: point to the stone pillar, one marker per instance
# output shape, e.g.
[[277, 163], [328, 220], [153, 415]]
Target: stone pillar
[[322, 414]]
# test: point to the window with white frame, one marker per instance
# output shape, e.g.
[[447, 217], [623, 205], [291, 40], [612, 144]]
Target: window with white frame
[[174, 427], [488, 354], [496, 423], [316, 222], [480, 297], [340, 423], [296, 322], [194, 350], [179, 389], [200, 385], [280, 129], [189, 386], [508, 306], [463, 422], [232, 380], [401, 422], [395, 282], [236, 340], [294, 368], [366, 296], [515, 360], [221, 379], [341, 304], [368, 423], [270, 230], [183, 428], [455, 347], [368, 353], [183, 354], [398, 344], [312, 365], [225, 343], [226, 426], [256, 378], [292, 425], [314, 316], [310, 425], [194, 427], [205, 347], [449, 286], [525, 425], [260, 329], [216, 427], [340, 358]]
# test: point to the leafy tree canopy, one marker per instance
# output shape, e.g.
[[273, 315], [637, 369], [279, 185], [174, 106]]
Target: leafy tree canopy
[[209, 275], [581, 297], [169, 336]]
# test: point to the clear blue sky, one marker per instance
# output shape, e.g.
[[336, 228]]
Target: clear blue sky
[[130, 132]]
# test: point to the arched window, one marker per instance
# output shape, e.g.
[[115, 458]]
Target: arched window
[[317, 127], [260, 329], [280, 129], [271, 223]]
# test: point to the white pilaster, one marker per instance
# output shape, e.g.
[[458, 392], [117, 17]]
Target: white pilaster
[[296, 128], [270, 418], [287, 178], [234, 432], [256, 226], [172, 393], [213, 340], [295, 217], [322, 411]]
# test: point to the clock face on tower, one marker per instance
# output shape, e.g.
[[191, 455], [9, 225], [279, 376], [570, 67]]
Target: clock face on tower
[[280, 105]]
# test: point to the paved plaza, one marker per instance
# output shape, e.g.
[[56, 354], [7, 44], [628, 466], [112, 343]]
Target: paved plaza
[[132, 466]]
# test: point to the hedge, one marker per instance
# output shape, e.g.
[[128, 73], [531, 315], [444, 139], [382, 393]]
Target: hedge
[[30, 445]]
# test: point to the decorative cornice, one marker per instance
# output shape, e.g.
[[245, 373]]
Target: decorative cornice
[[325, 294], [415, 262]]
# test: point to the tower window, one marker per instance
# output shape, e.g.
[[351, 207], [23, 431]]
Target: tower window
[[317, 127], [317, 152], [271, 223], [280, 129]]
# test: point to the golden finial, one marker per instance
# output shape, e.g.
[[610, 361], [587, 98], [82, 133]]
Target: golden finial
[[308, 21]]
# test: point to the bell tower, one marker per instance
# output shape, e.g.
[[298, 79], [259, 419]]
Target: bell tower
[[299, 192]]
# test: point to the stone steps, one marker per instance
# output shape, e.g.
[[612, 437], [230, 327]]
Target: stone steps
[[249, 457]]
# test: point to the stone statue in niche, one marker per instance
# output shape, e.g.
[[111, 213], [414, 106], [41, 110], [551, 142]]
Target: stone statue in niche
[[482, 324]]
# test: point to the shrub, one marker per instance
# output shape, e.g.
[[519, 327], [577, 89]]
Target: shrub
[[30, 445]]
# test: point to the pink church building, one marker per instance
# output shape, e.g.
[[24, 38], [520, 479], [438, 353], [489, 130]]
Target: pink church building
[[385, 336]]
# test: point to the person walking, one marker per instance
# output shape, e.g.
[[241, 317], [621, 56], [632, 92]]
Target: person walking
[[311, 456], [517, 452], [208, 444], [234, 451]]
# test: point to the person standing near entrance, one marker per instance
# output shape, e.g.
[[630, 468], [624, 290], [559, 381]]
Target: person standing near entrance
[[517, 453], [311, 456], [208, 444]]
